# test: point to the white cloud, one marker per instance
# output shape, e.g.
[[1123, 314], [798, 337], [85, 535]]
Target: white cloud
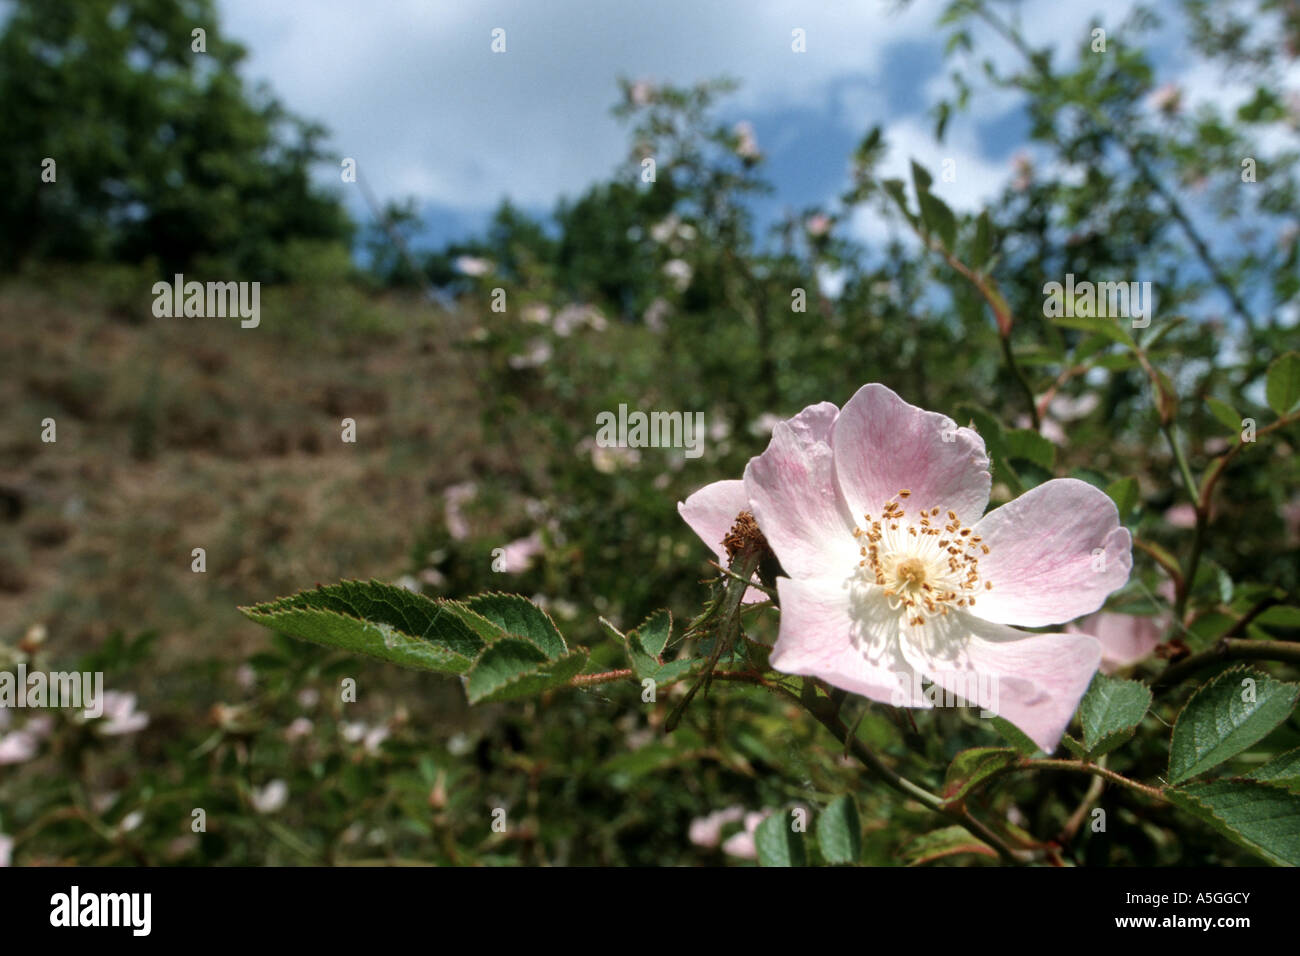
[[411, 90]]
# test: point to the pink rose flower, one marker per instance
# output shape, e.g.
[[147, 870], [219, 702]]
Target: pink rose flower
[[895, 573], [1126, 638]]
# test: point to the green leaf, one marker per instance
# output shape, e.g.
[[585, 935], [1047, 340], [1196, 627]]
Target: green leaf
[[1097, 326], [655, 632], [1219, 722], [948, 841], [514, 667], [921, 179], [1072, 745], [777, 843], [1224, 413], [990, 429], [1282, 771], [520, 617], [973, 766], [982, 250], [1283, 386], [896, 189], [938, 218], [645, 647], [1016, 737], [1110, 711], [377, 619], [1281, 615], [1028, 445], [1260, 817], [1125, 493], [647, 666], [839, 831]]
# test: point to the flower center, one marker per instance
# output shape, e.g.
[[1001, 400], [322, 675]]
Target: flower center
[[925, 563], [910, 574]]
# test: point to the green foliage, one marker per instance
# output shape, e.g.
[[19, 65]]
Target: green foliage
[[941, 843], [778, 843], [957, 324], [972, 767], [161, 152], [839, 831], [512, 668], [1224, 717], [1283, 383], [1282, 771], [379, 620], [1110, 711], [1260, 817]]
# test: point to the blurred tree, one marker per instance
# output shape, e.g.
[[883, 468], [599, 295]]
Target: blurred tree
[[161, 150]]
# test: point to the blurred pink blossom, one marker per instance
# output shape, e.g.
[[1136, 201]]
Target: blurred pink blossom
[[19, 746], [746, 141], [818, 225], [741, 845], [1167, 98], [454, 496], [518, 555], [270, 798], [120, 716], [707, 831]]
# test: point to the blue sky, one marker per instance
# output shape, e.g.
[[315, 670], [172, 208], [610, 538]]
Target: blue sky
[[412, 91]]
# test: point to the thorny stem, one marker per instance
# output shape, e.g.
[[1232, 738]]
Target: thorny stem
[[1161, 559], [770, 592], [626, 673], [1014, 366], [1228, 649], [1183, 586], [1001, 313], [1097, 770], [1216, 470], [1081, 811], [825, 712], [1202, 498], [1067, 373]]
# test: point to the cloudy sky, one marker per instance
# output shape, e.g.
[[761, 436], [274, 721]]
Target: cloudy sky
[[412, 90]]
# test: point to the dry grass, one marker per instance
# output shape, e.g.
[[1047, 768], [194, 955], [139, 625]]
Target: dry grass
[[174, 434]]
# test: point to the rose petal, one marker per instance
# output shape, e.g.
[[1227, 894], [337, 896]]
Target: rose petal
[[849, 641], [1125, 638], [883, 445], [1041, 560], [711, 513], [793, 493], [1035, 681]]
